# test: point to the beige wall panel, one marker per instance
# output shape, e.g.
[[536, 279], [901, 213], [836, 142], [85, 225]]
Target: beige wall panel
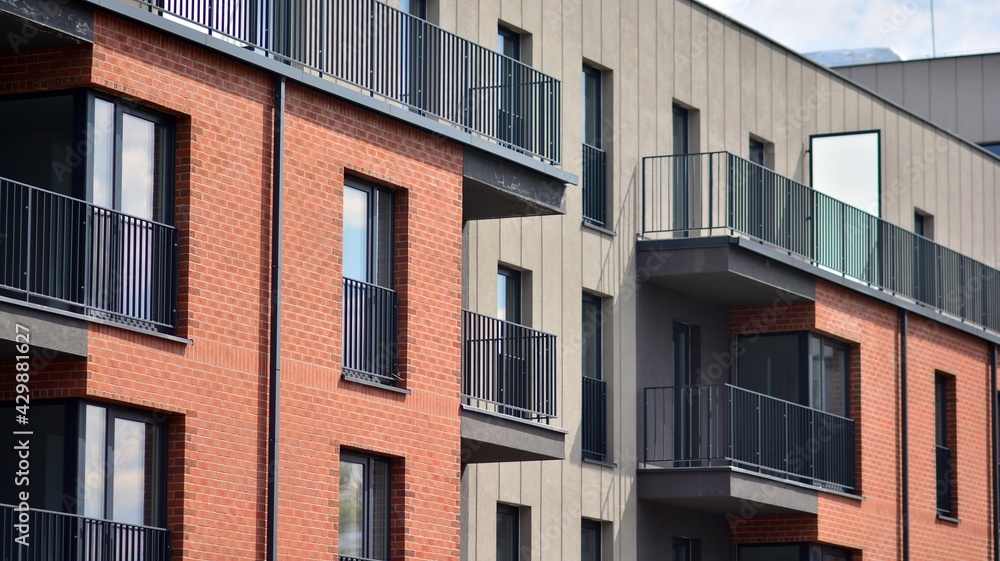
[[795, 128], [713, 107], [664, 77], [553, 61], [703, 29], [897, 201], [913, 171], [990, 199], [865, 112], [953, 190], [943, 179], [511, 12], [838, 93], [779, 96], [969, 103], [850, 109], [733, 127], [978, 201], [487, 256], [510, 242], [748, 88], [765, 117], [447, 14], [966, 200], [591, 29], [682, 51], [942, 94]]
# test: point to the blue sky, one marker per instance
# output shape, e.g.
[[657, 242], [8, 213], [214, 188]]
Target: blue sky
[[961, 26]]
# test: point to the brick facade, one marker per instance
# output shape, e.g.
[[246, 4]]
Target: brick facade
[[215, 388]]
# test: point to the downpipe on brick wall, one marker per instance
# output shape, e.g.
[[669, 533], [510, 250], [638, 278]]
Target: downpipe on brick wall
[[904, 440], [274, 346], [994, 402]]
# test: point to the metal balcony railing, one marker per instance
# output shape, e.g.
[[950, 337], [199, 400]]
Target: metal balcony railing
[[719, 193], [508, 368], [69, 537], [595, 418], [69, 254], [594, 186], [725, 425], [395, 56], [370, 332]]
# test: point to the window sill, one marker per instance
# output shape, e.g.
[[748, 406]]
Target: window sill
[[600, 229], [364, 380], [946, 518], [602, 463]]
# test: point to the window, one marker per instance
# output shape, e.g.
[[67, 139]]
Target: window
[[99, 461], [590, 548], [681, 348], [510, 121], [114, 258], [924, 266], [594, 185], [414, 32], [757, 152], [944, 431], [416, 8], [370, 303], [685, 549], [513, 386], [509, 295], [803, 368], [508, 533], [594, 387], [364, 507], [681, 196], [793, 552]]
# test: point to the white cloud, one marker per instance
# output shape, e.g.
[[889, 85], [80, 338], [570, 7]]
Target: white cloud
[[903, 25]]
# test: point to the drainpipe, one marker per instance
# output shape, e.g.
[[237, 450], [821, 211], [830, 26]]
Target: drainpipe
[[904, 443], [996, 452], [274, 370]]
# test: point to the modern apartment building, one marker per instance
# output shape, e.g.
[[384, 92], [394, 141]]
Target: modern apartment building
[[453, 279]]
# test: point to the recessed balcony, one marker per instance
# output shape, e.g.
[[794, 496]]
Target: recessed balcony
[[711, 447]]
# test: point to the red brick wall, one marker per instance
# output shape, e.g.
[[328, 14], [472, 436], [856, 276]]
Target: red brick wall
[[216, 387], [873, 526]]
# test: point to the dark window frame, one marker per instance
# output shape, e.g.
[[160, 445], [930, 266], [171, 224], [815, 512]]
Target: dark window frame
[[807, 551], [596, 528], [945, 433], [514, 513], [514, 295], [368, 462]]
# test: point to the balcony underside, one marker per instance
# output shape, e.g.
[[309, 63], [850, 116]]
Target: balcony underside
[[497, 188], [725, 491], [490, 437], [60, 334], [30, 25], [721, 270]]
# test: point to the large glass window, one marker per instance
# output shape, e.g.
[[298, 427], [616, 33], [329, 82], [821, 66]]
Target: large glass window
[[364, 507], [802, 368], [370, 303], [97, 461], [793, 552], [509, 295]]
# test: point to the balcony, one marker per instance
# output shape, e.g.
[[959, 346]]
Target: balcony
[[68, 537], [749, 442], [396, 57], [508, 392], [370, 333], [69, 255], [595, 190], [595, 418], [693, 201]]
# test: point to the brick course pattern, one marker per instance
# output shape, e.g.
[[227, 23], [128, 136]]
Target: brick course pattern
[[872, 526], [216, 388]]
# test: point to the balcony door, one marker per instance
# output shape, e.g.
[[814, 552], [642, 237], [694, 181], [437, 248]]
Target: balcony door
[[513, 387], [510, 118], [681, 180]]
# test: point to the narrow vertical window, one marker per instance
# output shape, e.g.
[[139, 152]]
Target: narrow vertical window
[[510, 121], [757, 152], [594, 387], [364, 507], [944, 416], [370, 303], [508, 535], [680, 192], [594, 178], [590, 547]]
